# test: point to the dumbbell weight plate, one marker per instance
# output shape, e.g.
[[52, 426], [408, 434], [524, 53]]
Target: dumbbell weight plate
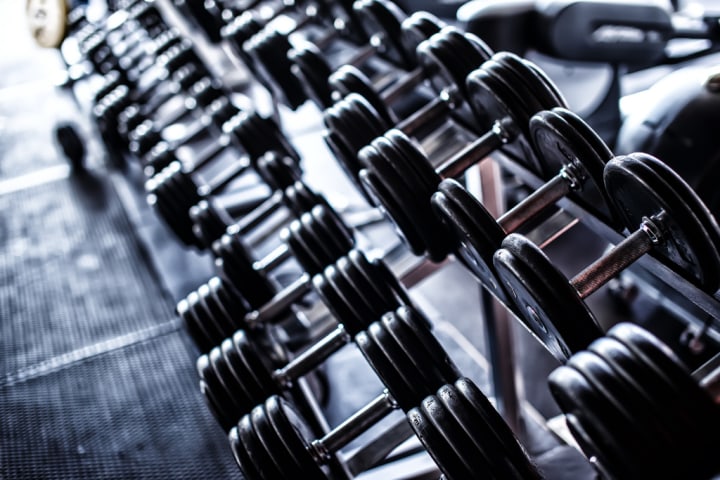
[[546, 302], [377, 274], [345, 284], [348, 79], [451, 462], [638, 189], [449, 57], [591, 421], [417, 28], [286, 426], [561, 138], [446, 426], [511, 455], [268, 463], [272, 442], [658, 357], [493, 97], [618, 398], [386, 17], [390, 192], [312, 72], [216, 393], [476, 232], [242, 457], [658, 411], [194, 311], [234, 260]]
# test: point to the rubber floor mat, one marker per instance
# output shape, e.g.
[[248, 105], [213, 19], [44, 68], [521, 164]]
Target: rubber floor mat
[[131, 413], [72, 274]]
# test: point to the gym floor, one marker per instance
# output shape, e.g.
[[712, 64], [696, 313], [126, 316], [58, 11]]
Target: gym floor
[[97, 375]]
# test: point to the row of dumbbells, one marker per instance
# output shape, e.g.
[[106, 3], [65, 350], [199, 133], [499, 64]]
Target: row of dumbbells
[[519, 109]]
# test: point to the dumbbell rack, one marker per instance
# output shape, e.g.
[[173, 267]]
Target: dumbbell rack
[[693, 304]]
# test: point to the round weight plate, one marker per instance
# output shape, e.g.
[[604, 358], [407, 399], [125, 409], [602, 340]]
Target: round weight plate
[[235, 260], [209, 221], [476, 233], [414, 169], [638, 190], [491, 92], [345, 284], [195, 328], [373, 296], [526, 81], [248, 365], [657, 394], [273, 443], [433, 366], [591, 422], [385, 18], [561, 138], [226, 377], [642, 441], [232, 302], [397, 193], [369, 345], [202, 316], [348, 79], [243, 383], [277, 170], [417, 28], [267, 463], [486, 427], [450, 462], [217, 393], [224, 419], [447, 58], [454, 436], [419, 333], [300, 198], [545, 300], [242, 457], [296, 435], [216, 313], [662, 360], [336, 304], [312, 72], [269, 50], [376, 275]]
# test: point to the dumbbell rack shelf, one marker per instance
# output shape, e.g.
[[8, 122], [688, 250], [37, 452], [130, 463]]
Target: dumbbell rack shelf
[[678, 293]]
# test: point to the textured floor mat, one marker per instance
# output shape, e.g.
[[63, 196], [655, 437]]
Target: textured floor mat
[[71, 274], [131, 413]]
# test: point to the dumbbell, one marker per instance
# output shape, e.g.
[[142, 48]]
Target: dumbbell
[[348, 79], [411, 364], [663, 215], [353, 123], [401, 179], [174, 190], [565, 144], [316, 239], [385, 19], [211, 218], [637, 411], [236, 374], [268, 49], [148, 142]]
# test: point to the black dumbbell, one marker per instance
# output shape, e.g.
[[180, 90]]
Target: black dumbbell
[[317, 239], [174, 190], [356, 291], [273, 440], [465, 435], [384, 19], [353, 123], [148, 140], [563, 142], [663, 215], [347, 79], [637, 411], [211, 217], [268, 50], [398, 176]]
